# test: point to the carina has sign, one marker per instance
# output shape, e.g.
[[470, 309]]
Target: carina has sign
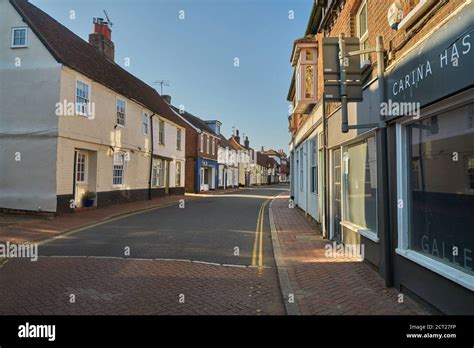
[[449, 58], [440, 66]]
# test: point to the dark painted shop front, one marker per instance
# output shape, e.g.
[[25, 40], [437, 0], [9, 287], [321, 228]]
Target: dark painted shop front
[[432, 168]]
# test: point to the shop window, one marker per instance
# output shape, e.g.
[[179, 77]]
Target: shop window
[[440, 198], [301, 171], [314, 165], [360, 184], [470, 172]]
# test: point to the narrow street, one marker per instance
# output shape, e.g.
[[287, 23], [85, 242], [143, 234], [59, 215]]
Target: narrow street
[[214, 256]]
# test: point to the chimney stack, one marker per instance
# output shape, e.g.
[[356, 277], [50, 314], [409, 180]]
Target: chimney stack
[[237, 136], [167, 99], [263, 148], [246, 142], [101, 39]]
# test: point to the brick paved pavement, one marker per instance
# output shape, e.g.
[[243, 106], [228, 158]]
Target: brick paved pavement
[[119, 286], [339, 286]]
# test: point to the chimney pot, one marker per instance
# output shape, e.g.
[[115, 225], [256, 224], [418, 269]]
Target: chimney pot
[[101, 38], [167, 98]]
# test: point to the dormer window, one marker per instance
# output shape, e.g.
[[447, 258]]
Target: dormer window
[[19, 37]]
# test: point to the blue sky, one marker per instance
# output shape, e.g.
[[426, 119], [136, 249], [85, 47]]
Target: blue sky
[[197, 54]]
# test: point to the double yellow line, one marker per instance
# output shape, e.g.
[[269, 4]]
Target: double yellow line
[[257, 252]]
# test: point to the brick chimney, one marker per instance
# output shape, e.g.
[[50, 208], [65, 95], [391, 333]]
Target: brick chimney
[[237, 136], [246, 142], [101, 38], [167, 99]]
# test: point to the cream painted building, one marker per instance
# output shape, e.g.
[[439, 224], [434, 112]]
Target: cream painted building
[[74, 121]]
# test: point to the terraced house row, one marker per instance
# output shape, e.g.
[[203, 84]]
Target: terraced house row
[[396, 175], [78, 130]]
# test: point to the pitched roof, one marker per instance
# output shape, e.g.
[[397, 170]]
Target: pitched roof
[[236, 144], [194, 120], [264, 160], [225, 143], [72, 51], [274, 153]]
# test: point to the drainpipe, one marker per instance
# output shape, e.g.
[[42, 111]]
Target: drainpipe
[[151, 157]]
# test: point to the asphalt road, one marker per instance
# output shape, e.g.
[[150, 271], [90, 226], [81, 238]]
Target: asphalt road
[[220, 229]]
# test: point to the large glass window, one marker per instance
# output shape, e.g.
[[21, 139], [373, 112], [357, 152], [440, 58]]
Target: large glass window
[[441, 182], [360, 184], [314, 165]]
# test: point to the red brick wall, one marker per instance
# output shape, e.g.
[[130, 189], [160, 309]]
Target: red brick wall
[[204, 153]]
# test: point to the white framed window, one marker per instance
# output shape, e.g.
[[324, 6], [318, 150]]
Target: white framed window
[[178, 174], [213, 146], [362, 25], [118, 169], [145, 121], [207, 144], [158, 173], [81, 168], [19, 37], [359, 186], [178, 139], [161, 132], [433, 187], [83, 94], [121, 112], [201, 142]]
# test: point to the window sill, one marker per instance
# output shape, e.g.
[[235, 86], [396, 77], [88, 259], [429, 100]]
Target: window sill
[[369, 234], [438, 267], [119, 125], [414, 14], [15, 47], [117, 186]]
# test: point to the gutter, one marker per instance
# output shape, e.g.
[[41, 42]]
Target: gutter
[[151, 156]]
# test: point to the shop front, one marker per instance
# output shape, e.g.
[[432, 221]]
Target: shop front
[[207, 174], [432, 175]]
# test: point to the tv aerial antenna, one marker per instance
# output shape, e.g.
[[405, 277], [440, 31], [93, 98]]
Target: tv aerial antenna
[[162, 83], [108, 19]]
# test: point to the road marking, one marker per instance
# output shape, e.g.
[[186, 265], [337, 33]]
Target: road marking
[[260, 255], [144, 259], [255, 242]]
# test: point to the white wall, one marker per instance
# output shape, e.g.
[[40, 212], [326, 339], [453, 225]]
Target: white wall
[[28, 124]]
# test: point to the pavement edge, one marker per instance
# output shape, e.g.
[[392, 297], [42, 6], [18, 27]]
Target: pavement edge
[[283, 277]]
